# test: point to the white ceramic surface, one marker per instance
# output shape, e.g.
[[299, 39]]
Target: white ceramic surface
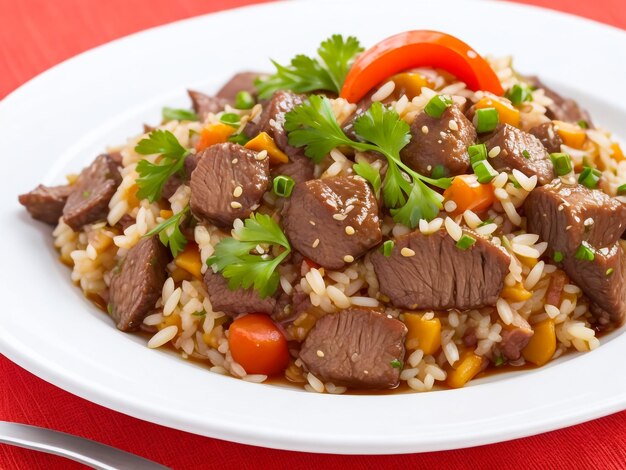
[[60, 120]]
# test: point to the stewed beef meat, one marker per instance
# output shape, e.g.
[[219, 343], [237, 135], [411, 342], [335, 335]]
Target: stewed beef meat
[[548, 136], [513, 148], [357, 348], [228, 183], [46, 203], [234, 302], [431, 272], [174, 181], [137, 285], [94, 188], [332, 221], [440, 142], [514, 339], [204, 104], [562, 109], [242, 81]]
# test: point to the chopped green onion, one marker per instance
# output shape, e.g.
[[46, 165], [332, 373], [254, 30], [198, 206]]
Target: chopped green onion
[[283, 185], [241, 138], [585, 252], [500, 360], [609, 271], [590, 177], [514, 182], [173, 114], [465, 242], [486, 120], [244, 100], [485, 222], [230, 119], [109, 308], [519, 93], [484, 171], [396, 364], [477, 152], [199, 313], [437, 105], [526, 153], [388, 248], [558, 256], [583, 124], [439, 171], [562, 163], [621, 190]]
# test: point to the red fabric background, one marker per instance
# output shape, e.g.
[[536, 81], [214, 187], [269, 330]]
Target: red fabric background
[[36, 34]]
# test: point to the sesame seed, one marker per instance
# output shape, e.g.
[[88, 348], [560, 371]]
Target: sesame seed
[[424, 129], [340, 216], [348, 259], [235, 205], [349, 230], [366, 372], [442, 134], [311, 222], [262, 155], [315, 243], [453, 125], [234, 160], [349, 208], [494, 152], [407, 252], [320, 353], [471, 54], [439, 142], [588, 222], [429, 168], [238, 191]]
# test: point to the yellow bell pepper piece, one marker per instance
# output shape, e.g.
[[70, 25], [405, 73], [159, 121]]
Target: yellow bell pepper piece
[[571, 134], [507, 114], [467, 367], [410, 84], [165, 213], [264, 142], [542, 344], [618, 155], [425, 334], [212, 134], [516, 293], [173, 319], [189, 260]]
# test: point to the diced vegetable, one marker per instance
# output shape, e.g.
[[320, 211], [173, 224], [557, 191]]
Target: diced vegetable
[[189, 260], [571, 134], [412, 49], [618, 154], [425, 334], [388, 248], [283, 185], [506, 112], [465, 242], [468, 193], [484, 171], [437, 105], [214, 134], [585, 252], [465, 369], [590, 177], [558, 256], [562, 163], [410, 84], [515, 293], [166, 213], [477, 152], [264, 142], [542, 344], [258, 345], [519, 93], [486, 120]]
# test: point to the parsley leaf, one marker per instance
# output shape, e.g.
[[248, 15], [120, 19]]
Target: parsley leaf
[[233, 259], [304, 73], [153, 176], [369, 173], [170, 234], [405, 193], [174, 114]]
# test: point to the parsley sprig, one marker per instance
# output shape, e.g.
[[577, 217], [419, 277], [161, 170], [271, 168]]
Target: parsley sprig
[[305, 73], [405, 192], [170, 234], [152, 176], [242, 269]]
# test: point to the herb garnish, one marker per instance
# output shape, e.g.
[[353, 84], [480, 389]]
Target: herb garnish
[[152, 176], [313, 125], [242, 269], [174, 114], [305, 74], [170, 234], [369, 173], [396, 364]]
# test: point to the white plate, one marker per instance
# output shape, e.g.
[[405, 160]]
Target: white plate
[[59, 121]]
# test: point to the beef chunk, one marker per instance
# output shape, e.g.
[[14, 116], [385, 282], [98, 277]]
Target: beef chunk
[[329, 219], [137, 285], [558, 279], [221, 169], [548, 136], [242, 81], [565, 216], [299, 167], [94, 188], [356, 348], [521, 151], [204, 105], [235, 302], [439, 275], [514, 340], [562, 109], [440, 141], [174, 181], [46, 203]]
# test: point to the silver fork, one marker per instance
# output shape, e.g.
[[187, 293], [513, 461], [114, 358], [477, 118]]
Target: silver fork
[[86, 451]]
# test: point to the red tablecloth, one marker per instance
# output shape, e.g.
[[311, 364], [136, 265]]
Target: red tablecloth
[[36, 34]]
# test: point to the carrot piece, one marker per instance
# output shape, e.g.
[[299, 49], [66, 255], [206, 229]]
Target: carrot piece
[[507, 113], [264, 142], [571, 134], [258, 345], [465, 369], [166, 213], [189, 260], [214, 134], [467, 193], [542, 344], [618, 155], [515, 293], [426, 334]]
